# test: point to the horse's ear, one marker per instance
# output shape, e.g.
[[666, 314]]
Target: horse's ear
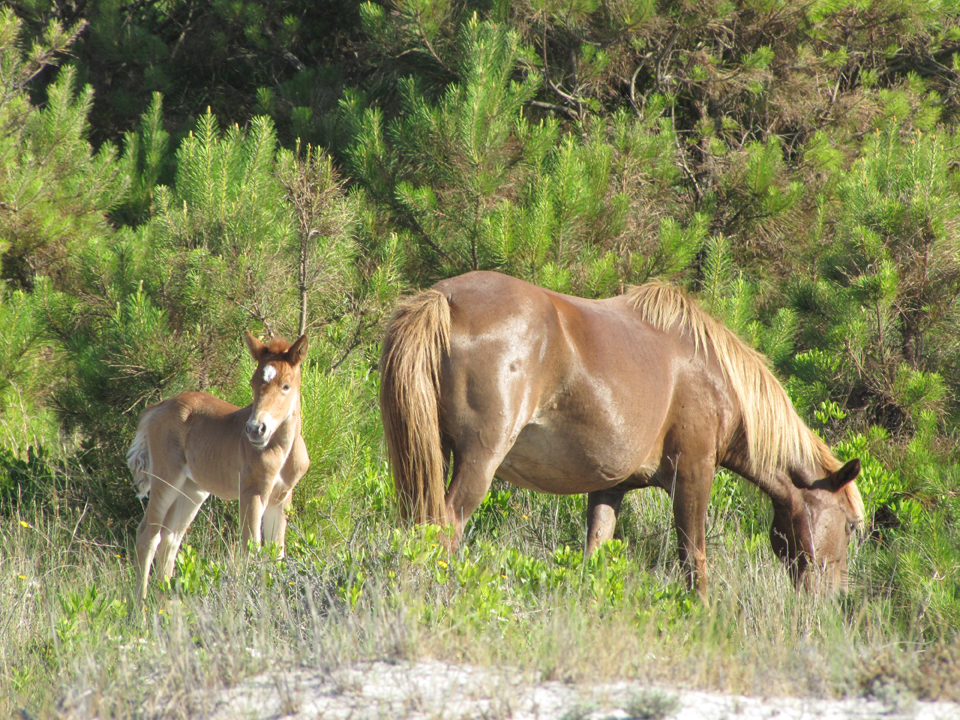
[[297, 351], [255, 347], [847, 474]]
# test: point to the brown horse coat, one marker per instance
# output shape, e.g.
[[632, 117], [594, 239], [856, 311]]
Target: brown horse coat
[[194, 445], [566, 395]]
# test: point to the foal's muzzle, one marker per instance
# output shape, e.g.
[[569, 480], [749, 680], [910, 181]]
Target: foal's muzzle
[[257, 433]]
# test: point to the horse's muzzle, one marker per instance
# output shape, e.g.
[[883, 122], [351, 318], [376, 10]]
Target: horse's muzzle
[[256, 433]]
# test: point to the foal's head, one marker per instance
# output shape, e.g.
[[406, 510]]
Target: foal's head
[[275, 384], [811, 537]]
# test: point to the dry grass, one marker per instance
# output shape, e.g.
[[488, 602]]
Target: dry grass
[[76, 644]]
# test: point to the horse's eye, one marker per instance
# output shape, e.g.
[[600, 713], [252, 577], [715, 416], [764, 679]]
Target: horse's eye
[[286, 388]]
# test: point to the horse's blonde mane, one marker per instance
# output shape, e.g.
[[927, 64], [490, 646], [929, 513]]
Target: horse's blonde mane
[[776, 436]]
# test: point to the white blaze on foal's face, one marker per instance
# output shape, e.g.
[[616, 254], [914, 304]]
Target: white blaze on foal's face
[[275, 384], [272, 405]]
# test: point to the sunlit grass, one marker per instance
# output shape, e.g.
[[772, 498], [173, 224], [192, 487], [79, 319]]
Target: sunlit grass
[[513, 595], [517, 593]]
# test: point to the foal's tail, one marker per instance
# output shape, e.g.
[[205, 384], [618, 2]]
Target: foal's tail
[[415, 343], [138, 456]]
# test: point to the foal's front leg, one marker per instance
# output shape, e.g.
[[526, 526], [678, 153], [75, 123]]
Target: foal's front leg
[[254, 493], [275, 520], [275, 514]]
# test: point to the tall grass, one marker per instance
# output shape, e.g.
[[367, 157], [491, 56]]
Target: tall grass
[[517, 593], [77, 644]]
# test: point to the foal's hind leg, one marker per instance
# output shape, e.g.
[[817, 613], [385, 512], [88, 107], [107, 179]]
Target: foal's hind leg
[[163, 494], [175, 525]]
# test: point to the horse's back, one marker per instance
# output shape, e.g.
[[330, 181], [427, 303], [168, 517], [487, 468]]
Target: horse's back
[[190, 412], [479, 300], [580, 390], [506, 352], [191, 435]]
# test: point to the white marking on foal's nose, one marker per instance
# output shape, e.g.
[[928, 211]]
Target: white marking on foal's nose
[[269, 373]]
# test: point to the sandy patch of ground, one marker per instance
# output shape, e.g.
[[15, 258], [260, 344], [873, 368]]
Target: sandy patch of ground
[[430, 690]]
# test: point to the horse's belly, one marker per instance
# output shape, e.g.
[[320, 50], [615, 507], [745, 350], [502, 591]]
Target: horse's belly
[[565, 463]]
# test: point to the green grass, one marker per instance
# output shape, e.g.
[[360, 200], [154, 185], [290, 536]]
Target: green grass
[[517, 593], [76, 641]]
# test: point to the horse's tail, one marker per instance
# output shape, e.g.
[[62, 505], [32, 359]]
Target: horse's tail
[[416, 341], [138, 456]]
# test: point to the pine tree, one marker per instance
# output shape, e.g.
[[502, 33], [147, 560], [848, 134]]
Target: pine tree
[[887, 304], [160, 308], [55, 191], [480, 179]]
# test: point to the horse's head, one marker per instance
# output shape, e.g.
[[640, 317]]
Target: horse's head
[[275, 384], [811, 536]]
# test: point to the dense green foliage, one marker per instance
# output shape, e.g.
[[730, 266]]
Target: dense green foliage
[[174, 172]]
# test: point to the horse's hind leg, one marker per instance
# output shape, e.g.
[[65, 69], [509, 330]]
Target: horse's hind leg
[[482, 421], [473, 471], [603, 508], [175, 524]]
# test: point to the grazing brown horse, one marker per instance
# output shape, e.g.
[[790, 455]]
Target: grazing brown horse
[[194, 444], [565, 395]]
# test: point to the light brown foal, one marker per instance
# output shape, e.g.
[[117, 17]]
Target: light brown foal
[[194, 444], [565, 395]]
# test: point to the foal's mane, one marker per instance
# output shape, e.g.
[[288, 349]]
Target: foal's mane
[[278, 345], [776, 436]]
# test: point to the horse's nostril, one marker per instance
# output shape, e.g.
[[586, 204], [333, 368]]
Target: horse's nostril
[[255, 428]]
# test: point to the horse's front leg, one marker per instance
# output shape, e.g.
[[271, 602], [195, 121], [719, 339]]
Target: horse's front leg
[[691, 496], [603, 509]]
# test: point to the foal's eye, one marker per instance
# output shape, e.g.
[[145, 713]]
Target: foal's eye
[[286, 388]]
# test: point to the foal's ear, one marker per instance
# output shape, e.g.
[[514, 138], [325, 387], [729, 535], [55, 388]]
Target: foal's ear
[[847, 474], [297, 351], [255, 347]]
